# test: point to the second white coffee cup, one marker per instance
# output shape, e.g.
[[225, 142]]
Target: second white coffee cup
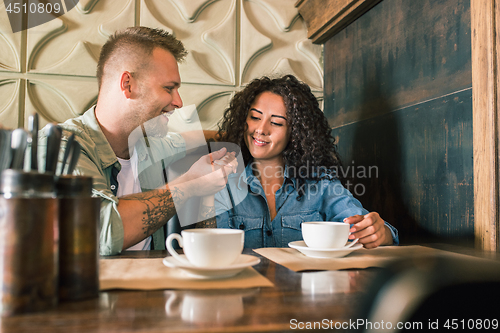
[[325, 235], [210, 248]]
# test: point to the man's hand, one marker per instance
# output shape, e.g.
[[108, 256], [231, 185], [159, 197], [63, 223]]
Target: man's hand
[[208, 175], [370, 230]]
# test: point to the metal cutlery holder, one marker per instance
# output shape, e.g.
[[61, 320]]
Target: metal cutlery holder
[[79, 220], [49, 224], [29, 239]]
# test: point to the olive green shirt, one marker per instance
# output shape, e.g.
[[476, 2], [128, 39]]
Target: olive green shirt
[[98, 160]]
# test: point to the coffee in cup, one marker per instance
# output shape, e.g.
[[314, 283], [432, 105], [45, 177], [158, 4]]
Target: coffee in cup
[[210, 248], [325, 235]]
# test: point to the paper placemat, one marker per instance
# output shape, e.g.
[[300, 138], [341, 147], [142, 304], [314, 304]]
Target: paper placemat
[[359, 259], [151, 274]]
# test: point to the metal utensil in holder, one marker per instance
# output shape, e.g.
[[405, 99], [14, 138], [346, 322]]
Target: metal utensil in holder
[[79, 216], [28, 242]]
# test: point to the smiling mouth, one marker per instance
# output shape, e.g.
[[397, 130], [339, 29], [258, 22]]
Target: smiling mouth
[[259, 142], [166, 114]]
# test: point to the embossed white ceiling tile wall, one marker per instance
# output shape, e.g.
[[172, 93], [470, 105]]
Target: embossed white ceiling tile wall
[[10, 61], [222, 40], [71, 44], [9, 102], [211, 114], [56, 100], [285, 53], [207, 29], [252, 44], [210, 101], [282, 11], [190, 9], [85, 6], [10, 45], [230, 41]]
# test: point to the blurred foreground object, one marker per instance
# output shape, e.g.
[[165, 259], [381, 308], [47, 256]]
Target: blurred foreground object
[[438, 292], [28, 242]]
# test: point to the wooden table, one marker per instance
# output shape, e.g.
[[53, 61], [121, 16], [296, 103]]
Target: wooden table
[[305, 297], [296, 299]]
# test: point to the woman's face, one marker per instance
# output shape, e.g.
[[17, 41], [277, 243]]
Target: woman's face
[[268, 131]]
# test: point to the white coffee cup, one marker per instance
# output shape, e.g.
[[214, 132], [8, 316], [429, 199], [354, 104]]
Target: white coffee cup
[[326, 235], [210, 248]]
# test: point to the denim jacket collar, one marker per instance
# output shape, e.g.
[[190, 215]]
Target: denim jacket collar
[[248, 178]]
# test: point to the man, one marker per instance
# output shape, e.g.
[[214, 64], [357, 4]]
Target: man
[[138, 81]]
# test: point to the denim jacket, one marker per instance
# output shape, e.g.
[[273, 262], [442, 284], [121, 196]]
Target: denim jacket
[[243, 205]]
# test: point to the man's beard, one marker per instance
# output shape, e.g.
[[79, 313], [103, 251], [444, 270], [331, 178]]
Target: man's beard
[[156, 127]]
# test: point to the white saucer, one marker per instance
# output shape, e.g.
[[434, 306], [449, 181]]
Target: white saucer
[[323, 253], [243, 262]]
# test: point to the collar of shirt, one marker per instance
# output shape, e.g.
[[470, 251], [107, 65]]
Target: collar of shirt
[[91, 126]]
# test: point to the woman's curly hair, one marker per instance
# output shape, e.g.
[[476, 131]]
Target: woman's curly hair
[[311, 146]]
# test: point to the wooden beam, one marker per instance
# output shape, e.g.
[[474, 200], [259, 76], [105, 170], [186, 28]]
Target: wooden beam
[[326, 18], [485, 17]]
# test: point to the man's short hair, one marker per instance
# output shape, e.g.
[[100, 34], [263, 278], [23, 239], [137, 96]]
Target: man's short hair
[[137, 43]]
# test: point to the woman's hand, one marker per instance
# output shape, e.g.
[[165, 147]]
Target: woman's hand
[[208, 175], [370, 230]]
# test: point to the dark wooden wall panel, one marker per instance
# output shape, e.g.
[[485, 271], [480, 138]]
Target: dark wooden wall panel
[[409, 51], [398, 94]]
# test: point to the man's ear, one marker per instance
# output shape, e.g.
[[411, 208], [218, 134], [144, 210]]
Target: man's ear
[[126, 84]]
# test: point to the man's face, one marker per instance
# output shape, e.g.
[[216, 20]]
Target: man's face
[[158, 93]]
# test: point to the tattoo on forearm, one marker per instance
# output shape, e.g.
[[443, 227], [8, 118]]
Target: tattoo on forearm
[[207, 211], [207, 214], [208, 223], [177, 194], [158, 207]]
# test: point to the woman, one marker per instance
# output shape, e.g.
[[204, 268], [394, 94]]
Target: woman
[[290, 174]]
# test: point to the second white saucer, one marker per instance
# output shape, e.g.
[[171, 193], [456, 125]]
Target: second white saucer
[[323, 253], [243, 262]]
